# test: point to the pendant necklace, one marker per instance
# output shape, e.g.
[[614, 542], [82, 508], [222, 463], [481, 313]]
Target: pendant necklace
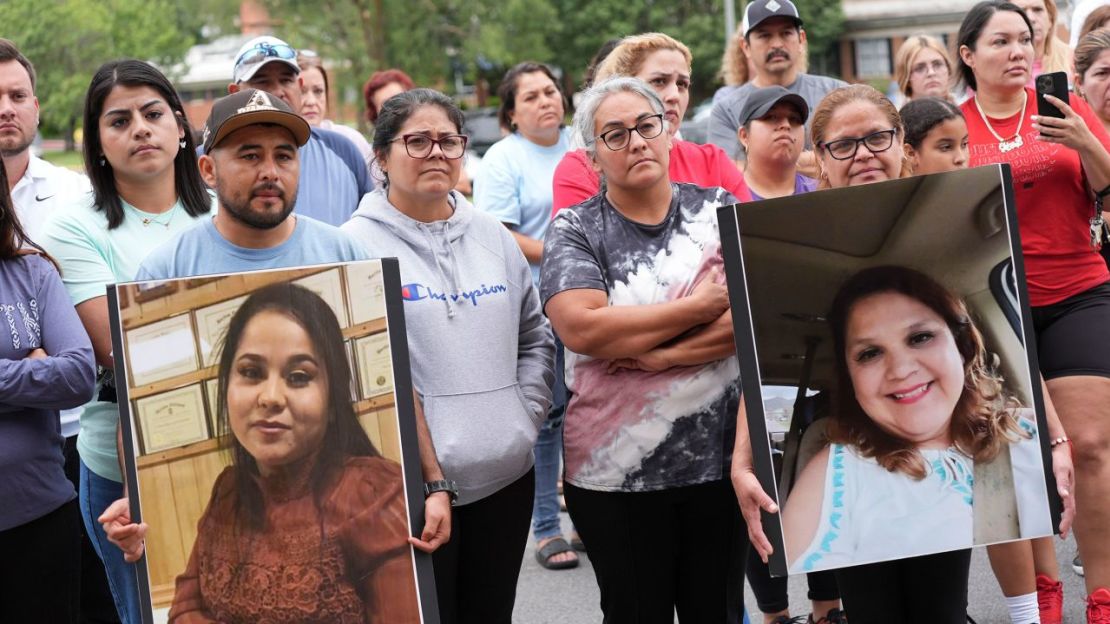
[[168, 215], [1015, 142]]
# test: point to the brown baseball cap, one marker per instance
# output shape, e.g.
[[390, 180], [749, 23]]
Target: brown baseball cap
[[248, 107]]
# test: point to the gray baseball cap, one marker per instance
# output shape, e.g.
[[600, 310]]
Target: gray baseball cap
[[761, 101]]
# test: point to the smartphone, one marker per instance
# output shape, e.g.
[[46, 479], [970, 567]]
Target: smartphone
[[1056, 85]]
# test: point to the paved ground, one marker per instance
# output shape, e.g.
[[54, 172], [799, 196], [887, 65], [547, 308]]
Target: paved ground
[[570, 596]]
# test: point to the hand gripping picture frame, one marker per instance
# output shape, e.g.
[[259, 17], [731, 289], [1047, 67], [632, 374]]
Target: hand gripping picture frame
[[876, 327], [265, 467]]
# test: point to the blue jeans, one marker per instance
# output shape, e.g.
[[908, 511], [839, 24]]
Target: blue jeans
[[549, 452], [95, 494]]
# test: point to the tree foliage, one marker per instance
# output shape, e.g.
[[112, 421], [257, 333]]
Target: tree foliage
[[67, 40]]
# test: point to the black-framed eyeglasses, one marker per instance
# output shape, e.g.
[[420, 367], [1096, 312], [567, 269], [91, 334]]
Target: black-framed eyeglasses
[[845, 149], [263, 51], [420, 145], [618, 138]]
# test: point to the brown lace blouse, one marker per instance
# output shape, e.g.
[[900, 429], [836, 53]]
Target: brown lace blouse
[[358, 569]]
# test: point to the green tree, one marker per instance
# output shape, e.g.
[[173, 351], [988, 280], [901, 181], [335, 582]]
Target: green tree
[[67, 40]]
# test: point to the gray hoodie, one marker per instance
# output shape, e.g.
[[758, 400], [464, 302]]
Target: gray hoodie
[[481, 349]]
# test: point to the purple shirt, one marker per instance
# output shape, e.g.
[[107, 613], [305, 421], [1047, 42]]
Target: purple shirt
[[36, 312], [802, 184]]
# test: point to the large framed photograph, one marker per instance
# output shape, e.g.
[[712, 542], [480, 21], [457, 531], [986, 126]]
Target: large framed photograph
[[273, 492], [889, 369]]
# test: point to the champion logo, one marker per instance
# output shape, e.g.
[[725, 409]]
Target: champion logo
[[417, 292]]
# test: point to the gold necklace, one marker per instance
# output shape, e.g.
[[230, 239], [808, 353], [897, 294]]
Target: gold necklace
[[157, 219], [1004, 145]]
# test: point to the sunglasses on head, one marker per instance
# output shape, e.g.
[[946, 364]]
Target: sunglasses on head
[[264, 51]]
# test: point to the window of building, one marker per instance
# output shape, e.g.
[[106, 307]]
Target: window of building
[[873, 58]]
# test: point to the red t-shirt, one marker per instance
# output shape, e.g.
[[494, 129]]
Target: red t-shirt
[[704, 165], [1053, 205]]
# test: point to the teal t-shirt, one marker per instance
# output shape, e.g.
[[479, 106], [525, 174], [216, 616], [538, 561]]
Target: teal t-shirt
[[92, 256]]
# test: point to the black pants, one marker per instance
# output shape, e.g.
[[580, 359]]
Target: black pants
[[40, 573], [477, 570], [921, 590], [771, 593], [96, 603], [655, 553]]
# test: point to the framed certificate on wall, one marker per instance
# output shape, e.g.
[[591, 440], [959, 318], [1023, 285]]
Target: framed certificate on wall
[[211, 324], [366, 292], [375, 365], [161, 350], [330, 288], [172, 419]]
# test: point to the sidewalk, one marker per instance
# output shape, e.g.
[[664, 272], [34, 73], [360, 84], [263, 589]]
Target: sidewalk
[[571, 596]]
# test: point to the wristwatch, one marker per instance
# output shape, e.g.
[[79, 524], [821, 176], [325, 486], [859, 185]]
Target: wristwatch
[[431, 487]]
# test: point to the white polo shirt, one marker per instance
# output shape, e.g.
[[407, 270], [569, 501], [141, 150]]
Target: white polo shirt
[[43, 188]]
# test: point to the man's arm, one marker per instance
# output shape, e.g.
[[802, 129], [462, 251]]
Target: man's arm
[[705, 344]]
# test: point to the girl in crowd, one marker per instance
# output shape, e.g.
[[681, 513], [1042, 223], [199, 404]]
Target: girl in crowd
[[663, 63], [1092, 73], [772, 131], [1057, 166], [468, 290], [46, 364], [936, 135], [1050, 54], [514, 185], [632, 283], [146, 187], [922, 68], [314, 101], [304, 472], [897, 478]]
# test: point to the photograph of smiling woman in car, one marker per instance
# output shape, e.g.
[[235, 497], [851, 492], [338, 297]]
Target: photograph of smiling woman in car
[[915, 407]]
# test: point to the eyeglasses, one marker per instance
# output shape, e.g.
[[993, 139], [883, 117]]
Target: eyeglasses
[[938, 66], [264, 51], [420, 145], [845, 149], [618, 138]]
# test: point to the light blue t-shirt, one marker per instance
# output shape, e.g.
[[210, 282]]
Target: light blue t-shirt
[[514, 184], [203, 251]]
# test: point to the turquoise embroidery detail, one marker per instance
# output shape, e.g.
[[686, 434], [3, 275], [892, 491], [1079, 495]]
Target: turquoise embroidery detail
[[830, 536], [955, 473]]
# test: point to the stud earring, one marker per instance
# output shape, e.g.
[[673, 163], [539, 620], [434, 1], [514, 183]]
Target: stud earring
[[103, 161], [182, 143]]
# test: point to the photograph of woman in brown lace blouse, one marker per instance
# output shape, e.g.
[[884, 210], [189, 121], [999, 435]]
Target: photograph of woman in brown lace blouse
[[308, 523]]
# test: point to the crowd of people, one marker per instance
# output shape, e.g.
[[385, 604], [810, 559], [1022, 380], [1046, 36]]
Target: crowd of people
[[604, 331]]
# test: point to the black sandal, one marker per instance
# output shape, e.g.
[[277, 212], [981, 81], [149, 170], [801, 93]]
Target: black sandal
[[552, 548]]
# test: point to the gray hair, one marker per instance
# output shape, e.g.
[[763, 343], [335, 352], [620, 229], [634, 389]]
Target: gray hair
[[592, 98]]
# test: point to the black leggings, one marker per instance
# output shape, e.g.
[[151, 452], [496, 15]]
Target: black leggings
[[41, 573], [931, 589], [771, 592], [477, 570], [655, 553]]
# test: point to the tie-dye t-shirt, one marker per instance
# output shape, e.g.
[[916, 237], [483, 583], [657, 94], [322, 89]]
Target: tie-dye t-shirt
[[631, 430]]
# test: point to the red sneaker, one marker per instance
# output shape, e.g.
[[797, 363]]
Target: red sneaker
[[1050, 600], [1098, 607]]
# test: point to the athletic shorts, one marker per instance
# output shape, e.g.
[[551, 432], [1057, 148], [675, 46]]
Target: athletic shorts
[[1073, 335]]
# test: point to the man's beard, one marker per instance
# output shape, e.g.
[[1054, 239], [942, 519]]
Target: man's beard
[[19, 148], [252, 218]]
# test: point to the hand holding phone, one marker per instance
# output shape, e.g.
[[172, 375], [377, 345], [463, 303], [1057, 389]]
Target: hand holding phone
[[1056, 85]]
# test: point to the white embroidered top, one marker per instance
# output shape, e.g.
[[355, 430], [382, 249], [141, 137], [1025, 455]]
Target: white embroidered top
[[870, 514]]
